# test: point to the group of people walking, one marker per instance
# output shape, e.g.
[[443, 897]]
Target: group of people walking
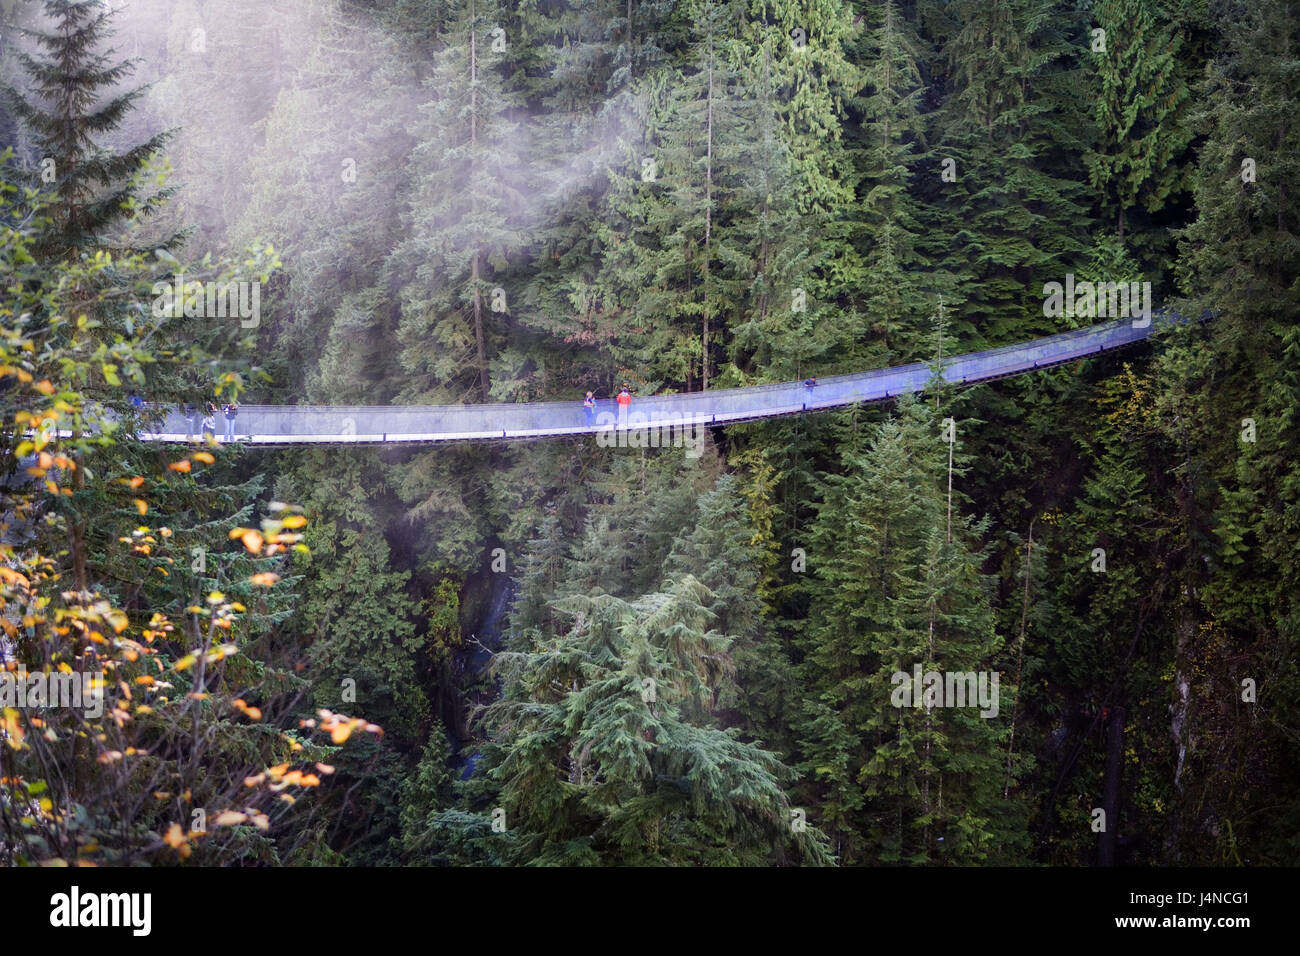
[[209, 420]]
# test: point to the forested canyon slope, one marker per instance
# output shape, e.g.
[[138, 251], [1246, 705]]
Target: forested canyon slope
[[1046, 619]]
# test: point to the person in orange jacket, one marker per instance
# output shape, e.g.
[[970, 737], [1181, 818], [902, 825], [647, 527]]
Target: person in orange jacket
[[624, 400]]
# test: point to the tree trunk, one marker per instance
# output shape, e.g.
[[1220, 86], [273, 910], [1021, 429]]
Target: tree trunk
[[708, 220], [1020, 655], [474, 264], [478, 328], [1110, 789]]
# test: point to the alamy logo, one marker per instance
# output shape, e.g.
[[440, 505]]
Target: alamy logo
[[1103, 300], [946, 689], [209, 300], [72, 909], [81, 691], [668, 431]]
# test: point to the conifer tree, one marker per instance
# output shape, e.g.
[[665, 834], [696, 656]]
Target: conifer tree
[[1141, 112], [889, 142], [1014, 213], [463, 215], [781, 325], [1225, 383], [899, 586], [719, 552], [608, 753], [331, 332], [74, 82]]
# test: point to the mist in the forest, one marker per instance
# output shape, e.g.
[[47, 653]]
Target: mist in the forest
[[218, 73]]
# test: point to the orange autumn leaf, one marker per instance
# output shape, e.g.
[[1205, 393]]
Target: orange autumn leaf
[[182, 465], [136, 482], [341, 733], [204, 457], [265, 579], [252, 541], [141, 506], [44, 387]]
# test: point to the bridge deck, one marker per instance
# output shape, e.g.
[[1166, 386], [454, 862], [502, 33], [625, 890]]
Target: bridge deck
[[339, 424]]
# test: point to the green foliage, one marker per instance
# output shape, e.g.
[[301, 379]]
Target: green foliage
[[76, 101], [451, 203], [1141, 106]]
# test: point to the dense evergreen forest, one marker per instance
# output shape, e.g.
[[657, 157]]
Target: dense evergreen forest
[[553, 652]]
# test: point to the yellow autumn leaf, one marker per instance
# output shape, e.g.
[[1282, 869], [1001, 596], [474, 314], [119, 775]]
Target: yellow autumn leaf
[[13, 728]]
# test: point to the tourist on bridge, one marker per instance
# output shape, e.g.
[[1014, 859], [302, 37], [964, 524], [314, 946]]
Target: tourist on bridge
[[230, 410], [191, 420], [210, 422], [624, 400], [589, 408]]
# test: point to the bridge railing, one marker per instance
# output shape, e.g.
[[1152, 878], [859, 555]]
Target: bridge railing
[[344, 423]]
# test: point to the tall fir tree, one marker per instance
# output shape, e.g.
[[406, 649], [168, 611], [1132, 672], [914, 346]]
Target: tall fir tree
[[464, 227], [890, 144], [78, 100], [1014, 214], [1141, 112]]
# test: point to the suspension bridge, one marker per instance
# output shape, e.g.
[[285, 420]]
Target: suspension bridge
[[417, 424]]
